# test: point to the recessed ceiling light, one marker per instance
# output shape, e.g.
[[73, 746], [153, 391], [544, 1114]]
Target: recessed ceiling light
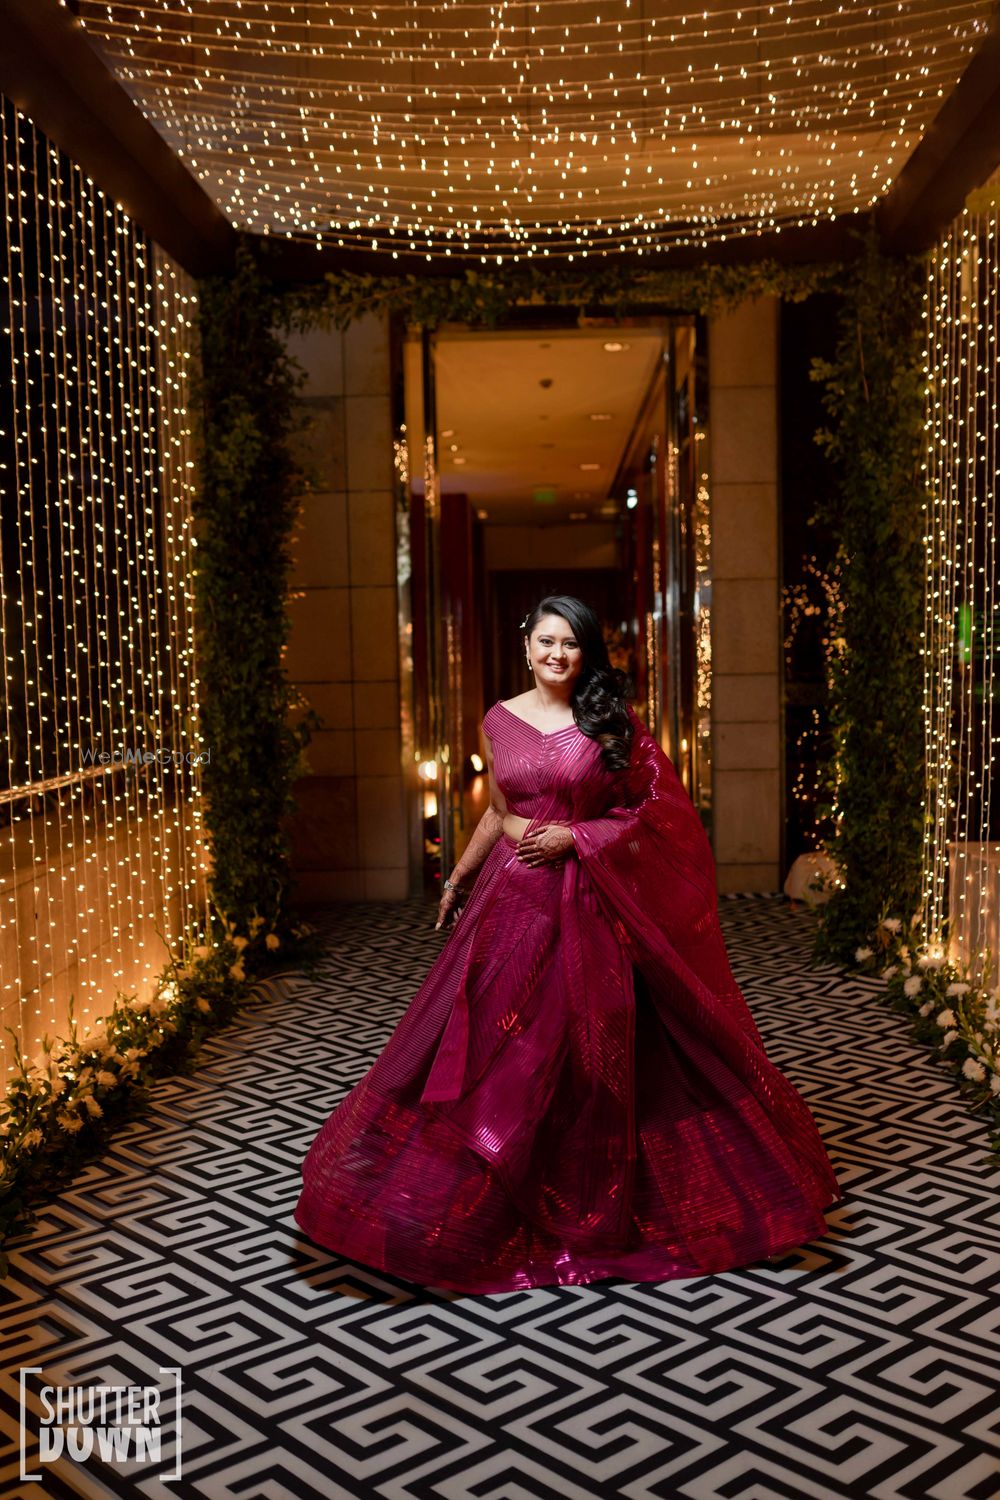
[[590, 466], [458, 460], [614, 346], [454, 447], [600, 416], [448, 432], [483, 515], [578, 515]]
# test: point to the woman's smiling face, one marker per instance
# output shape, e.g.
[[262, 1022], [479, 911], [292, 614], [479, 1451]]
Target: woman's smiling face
[[553, 651]]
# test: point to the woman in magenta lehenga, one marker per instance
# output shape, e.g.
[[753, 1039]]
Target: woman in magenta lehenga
[[578, 1089]]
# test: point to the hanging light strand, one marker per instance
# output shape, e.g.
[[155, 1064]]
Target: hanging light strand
[[961, 881], [100, 848]]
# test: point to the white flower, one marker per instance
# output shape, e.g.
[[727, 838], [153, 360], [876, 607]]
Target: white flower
[[913, 985], [106, 1079], [69, 1122], [272, 941], [202, 1004], [926, 1008], [995, 1084], [93, 1107], [925, 961], [892, 924], [946, 1018], [861, 954], [948, 1038], [959, 987], [973, 1068], [239, 943], [202, 951], [237, 970], [890, 971], [32, 1138]]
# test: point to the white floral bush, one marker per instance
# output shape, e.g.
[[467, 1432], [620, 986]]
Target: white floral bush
[[956, 1014]]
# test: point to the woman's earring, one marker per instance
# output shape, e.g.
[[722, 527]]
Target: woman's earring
[[528, 665]]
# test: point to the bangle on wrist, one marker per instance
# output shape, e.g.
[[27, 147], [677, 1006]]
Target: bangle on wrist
[[452, 885]]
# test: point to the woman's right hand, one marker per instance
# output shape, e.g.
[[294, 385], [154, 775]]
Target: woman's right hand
[[449, 909]]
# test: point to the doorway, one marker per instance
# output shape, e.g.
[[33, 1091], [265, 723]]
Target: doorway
[[550, 459]]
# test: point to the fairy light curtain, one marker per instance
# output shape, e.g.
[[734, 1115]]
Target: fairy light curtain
[[961, 641], [509, 131], [99, 852]]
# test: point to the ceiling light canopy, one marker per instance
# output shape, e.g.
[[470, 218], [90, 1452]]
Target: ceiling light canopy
[[570, 129]]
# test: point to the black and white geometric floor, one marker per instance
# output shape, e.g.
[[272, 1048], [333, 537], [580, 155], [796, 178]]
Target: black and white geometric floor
[[865, 1365]]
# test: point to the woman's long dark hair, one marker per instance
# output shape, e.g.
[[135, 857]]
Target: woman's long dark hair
[[599, 698]]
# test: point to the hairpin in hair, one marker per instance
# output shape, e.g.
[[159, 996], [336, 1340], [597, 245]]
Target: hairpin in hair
[[524, 623]]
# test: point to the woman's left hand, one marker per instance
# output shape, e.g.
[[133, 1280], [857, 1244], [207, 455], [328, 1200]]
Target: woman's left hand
[[545, 845]]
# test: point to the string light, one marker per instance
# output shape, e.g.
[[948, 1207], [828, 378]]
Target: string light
[[100, 853], [814, 609], [512, 132], [961, 865]]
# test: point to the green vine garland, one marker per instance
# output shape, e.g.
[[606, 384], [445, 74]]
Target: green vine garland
[[244, 514], [487, 297], [874, 392]]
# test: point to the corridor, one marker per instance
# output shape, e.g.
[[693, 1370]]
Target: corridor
[[863, 1366]]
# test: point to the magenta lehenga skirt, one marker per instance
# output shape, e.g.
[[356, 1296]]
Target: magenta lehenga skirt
[[577, 1091]]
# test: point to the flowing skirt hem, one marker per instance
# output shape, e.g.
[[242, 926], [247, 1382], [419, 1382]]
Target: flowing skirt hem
[[350, 1237]]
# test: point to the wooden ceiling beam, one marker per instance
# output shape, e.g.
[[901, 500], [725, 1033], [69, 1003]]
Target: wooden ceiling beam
[[960, 149], [50, 70]]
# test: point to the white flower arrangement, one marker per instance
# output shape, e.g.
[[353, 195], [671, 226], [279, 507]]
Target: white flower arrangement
[[968, 1028]]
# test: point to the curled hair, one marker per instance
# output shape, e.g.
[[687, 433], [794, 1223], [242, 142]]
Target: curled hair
[[599, 696]]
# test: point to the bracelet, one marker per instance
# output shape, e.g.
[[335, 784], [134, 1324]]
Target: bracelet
[[449, 885]]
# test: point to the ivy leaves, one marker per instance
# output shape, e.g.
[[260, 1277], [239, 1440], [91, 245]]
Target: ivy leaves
[[873, 393]]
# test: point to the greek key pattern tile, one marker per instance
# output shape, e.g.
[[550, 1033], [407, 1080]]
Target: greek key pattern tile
[[864, 1365]]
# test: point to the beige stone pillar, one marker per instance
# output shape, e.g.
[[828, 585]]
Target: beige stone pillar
[[350, 838], [748, 781]]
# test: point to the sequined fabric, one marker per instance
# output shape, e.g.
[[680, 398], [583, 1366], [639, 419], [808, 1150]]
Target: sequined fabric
[[578, 1089]]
